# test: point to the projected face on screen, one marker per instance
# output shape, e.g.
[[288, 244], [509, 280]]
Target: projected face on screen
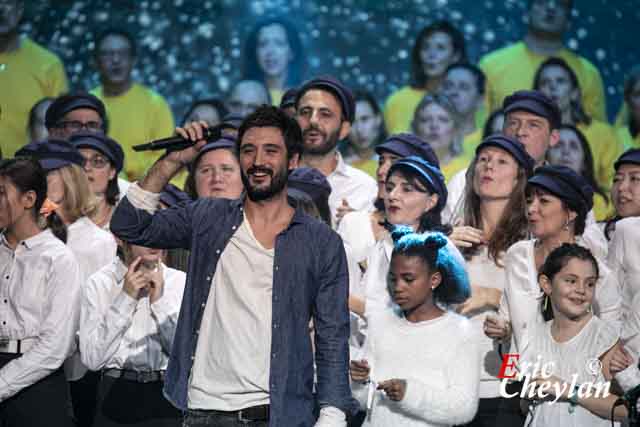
[[273, 50]]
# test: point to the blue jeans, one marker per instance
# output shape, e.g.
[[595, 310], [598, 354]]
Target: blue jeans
[[195, 418]]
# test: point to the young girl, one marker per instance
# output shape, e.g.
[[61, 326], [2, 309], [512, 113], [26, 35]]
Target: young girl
[[420, 365], [573, 344], [39, 292]]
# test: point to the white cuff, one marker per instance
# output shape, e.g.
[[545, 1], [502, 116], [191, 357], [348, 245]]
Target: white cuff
[[143, 199], [330, 416]]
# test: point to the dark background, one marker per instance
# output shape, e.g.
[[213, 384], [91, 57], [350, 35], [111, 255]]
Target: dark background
[[191, 49]]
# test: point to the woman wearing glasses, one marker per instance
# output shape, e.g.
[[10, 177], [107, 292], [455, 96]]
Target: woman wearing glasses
[[104, 159]]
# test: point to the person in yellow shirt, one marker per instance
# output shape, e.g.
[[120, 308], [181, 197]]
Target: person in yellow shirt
[[464, 84], [136, 113], [513, 67], [28, 73], [274, 56], [366, 133], [437, 122], [573, 151], [437, 47], [629, 133], [556, 79]]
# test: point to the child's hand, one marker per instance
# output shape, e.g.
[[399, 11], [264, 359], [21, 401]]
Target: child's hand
[[359, 370], [496, 327], [620, 360], [394, 388]]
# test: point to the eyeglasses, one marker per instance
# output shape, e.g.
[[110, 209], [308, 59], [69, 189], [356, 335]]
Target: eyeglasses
[[96, 162], [76, 126]]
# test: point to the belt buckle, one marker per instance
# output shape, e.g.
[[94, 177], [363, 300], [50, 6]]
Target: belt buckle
[[241, 417], [144, 376]]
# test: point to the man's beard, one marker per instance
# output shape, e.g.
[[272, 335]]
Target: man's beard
[[330, 142], [276, 185]]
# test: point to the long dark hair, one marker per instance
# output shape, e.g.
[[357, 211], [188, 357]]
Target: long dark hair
[[27, 175], [578, 114], [632, 79], [556, 261], [432, 248], [512, 225], [296, 68], [587, 165], [418, 77]]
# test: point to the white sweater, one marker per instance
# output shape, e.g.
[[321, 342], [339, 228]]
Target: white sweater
[[437, 358]]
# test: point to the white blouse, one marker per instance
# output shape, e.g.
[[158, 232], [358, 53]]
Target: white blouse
[[357, 233], [39, 292], [438, 359], [624, 259], [522, 295], [573, 357], [94, 248], [117, 331], [484, 272]]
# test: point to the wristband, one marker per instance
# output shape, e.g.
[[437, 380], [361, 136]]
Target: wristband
[[573, 399]]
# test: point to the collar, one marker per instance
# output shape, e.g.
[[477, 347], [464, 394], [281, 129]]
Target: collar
[[32, 242], [341, 167]]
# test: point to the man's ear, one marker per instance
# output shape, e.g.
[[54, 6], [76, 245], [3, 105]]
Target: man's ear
[[345, 128], [554, 137], [294, 161]]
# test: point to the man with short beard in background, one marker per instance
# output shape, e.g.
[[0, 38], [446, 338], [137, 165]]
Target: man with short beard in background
[[325, 111]]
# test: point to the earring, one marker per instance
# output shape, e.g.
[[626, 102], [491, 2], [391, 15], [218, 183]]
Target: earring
[[546, 302], [566, 225]]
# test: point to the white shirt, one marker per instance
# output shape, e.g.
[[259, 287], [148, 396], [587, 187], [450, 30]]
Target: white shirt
[[484, 272], [522, 295], [630, 336], [39, 293], [624, 259], [117, 331], [438, 359], [94, 248], [454, 207], [232, 359], [357, 233], [354, 185], [569, 358]]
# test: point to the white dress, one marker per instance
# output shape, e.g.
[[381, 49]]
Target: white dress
[[522, 296], [438, 359], [574, 357]]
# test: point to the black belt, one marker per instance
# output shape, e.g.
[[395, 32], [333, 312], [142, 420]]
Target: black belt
[[137, 376], [254, 413]]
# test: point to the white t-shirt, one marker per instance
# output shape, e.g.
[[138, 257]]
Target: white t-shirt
[[573, 357], [439, 360], [231, 366]]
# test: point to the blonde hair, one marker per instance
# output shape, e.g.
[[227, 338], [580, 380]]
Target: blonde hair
[[444, 102], [78, 199]]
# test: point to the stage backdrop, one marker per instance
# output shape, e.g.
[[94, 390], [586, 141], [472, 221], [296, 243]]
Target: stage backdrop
[[192, 49]]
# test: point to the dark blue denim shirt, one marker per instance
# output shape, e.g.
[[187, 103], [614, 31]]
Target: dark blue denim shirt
[[309, 280]]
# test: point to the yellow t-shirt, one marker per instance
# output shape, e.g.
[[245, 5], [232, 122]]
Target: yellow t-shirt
[[471, 142], [625, 138], [369, 166], [276, 96], [605, 148], [401, 105], [138, 116], [601, 208], [27, 75], [622, 118], [454, 166], [514, 67]]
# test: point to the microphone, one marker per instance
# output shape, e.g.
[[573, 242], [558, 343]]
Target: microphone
[[177, 142]]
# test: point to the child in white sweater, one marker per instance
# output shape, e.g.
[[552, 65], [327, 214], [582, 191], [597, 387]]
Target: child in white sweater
[[421, 364]]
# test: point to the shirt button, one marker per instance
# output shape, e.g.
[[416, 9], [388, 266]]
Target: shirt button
[[5, 301], [233, 228], [208, 278], [203, 304], [4, 323], [273, 355], [275, 326], [277, 268], [6, 277], [193, 358], [218, 251]]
